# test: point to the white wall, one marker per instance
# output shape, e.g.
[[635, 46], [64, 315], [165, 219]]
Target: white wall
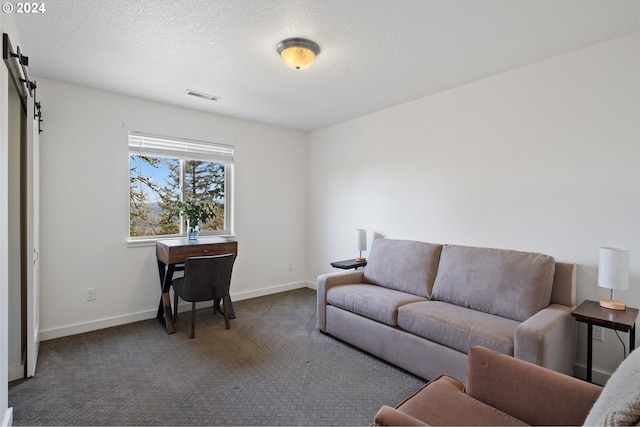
[[84, 205], [543, 158]]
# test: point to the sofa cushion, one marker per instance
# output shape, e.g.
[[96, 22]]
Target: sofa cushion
[[457, 327], [619, 402], [371, 301], [508, 283], [403, 265]]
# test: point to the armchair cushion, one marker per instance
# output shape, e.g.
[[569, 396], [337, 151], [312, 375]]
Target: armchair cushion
[[619, 403], [388, 416], [443, 402]]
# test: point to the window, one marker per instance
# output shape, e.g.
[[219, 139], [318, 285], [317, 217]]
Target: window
[[164, 171]]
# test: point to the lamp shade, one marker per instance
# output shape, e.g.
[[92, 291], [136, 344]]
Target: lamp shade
[[361, 236], [613, 268]]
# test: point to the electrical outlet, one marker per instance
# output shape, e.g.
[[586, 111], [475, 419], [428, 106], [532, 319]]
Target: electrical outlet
[[90, 294], [597, 333], [290, 265]]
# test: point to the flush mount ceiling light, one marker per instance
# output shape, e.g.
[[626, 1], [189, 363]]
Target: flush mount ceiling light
[[298, 53]]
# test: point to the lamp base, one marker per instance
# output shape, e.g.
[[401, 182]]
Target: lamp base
[[360, 259], [613, 305]]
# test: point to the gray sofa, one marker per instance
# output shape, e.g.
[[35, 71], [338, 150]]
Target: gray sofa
[[422, 306]]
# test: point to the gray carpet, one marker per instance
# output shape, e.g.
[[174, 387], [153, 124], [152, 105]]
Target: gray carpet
[[273, 367]]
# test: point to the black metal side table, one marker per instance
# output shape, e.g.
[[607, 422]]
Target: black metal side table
[[591, 313]]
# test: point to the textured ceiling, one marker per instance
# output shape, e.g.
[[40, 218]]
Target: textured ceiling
[[374, 53]]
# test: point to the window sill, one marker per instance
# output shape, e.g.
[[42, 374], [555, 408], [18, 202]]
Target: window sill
[[151, 241]]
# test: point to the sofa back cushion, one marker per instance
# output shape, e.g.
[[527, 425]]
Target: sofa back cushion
[[403, 265], [508, 283]]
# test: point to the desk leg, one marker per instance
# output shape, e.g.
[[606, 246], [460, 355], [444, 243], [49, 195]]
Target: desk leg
[[165, 315], [632, 338], [162, 271], [589, 351]]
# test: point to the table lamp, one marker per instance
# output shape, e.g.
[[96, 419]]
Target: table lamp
[[362, 243], [613, 273]]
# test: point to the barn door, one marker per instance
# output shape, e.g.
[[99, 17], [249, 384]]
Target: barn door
[[33, 240]]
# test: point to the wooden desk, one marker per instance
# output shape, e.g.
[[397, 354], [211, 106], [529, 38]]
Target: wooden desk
[[171, 255], [591, 313]]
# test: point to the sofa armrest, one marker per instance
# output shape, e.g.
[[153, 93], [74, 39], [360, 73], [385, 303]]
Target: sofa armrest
[[531, 393], [388, 416], [326, 281], [548, 338]]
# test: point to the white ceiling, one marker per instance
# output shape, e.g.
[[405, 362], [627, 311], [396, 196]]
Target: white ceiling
[[374, 53]]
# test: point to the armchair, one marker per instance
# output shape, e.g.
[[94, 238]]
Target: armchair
[[503, 390]]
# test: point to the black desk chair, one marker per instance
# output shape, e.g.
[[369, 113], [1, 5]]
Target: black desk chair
[[205, 278]]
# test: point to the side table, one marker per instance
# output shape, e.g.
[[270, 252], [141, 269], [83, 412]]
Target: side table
[[348, 264], [591, 313]]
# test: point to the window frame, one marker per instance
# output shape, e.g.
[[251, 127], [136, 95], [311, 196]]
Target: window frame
[[182, 149]]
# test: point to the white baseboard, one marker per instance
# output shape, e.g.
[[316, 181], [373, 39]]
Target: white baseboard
[[597, 377], [79, 328], [268, 291], [186, 306]]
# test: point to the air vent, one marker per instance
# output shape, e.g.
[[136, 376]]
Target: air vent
[[202, 95]]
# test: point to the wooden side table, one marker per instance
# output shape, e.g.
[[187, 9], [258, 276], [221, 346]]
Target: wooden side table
[[348, 264], [591, 313]]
